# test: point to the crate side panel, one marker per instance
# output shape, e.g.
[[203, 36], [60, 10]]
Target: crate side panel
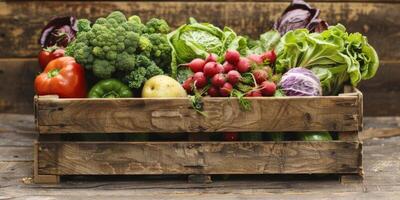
[[123, 158], [338, 113]]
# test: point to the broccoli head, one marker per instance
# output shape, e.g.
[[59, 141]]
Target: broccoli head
[[115, 46]]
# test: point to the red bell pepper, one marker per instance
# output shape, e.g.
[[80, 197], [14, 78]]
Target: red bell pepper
[[63, 77]]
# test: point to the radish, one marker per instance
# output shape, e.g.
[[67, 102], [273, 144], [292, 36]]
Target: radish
[[269, 56], [230, 136], [243, 65], [211, 58], [233, 77], [268, 88], [199, 80], [232, 56], [218, 80], [210, 69], [254, 93], [196, 65], [268, 70], [260, 75], [220, 68], [227, 67], [226, 89], [256, 59], [213, 91], [187, 84]]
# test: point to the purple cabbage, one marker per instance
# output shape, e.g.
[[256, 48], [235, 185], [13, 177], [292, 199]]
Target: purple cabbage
[[59, 31], [300, 81], [298, 15]]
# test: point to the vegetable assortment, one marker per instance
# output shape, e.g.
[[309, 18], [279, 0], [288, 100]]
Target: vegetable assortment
[[123, 57]]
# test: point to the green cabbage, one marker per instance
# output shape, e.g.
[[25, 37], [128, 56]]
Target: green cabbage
[[197, 40], [336, 57]]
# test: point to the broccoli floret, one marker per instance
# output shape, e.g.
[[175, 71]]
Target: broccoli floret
[[161, 51], [135, 18], [153, 70], [125, 62], [103, 68], [136, 77], [118, 16], [83, 25], [157, 26], [145, 45]]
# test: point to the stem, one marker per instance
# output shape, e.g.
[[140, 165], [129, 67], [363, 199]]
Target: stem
[[52, 73]]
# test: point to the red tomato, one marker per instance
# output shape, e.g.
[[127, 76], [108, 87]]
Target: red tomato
[[49, 54], [63, 77]]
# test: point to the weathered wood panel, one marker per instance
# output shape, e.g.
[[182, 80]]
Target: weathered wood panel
[[58, 158], [20, 29], [136, 115]]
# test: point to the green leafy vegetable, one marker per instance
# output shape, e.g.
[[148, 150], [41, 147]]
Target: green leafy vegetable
[[336, 57], [268, 41]]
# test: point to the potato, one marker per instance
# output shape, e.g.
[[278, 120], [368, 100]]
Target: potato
[[162, 86]]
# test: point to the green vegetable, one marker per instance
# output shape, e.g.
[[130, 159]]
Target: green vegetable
[[315, 136], [197, 40], [110, 88], [336, 57], [145, 69], [267, 41], [115, 46]]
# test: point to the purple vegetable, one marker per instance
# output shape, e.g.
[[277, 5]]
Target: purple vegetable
[[59, 31], [300, 15], [300, 82]]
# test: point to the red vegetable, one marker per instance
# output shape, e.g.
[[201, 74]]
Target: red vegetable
[[63, 77], [48, 54], [213, 91], [212, 68], [226, 89], [256, 59], [187, 84], [199, 80], [233, 77], [228, 67], [243, 65], [260, 75], [232, 56], [196, 65], [218, 80], [254, 93], [269, 56], [268, 88], [211, 58]]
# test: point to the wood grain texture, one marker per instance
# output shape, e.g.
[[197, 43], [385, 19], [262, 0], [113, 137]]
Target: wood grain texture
[[137, 115], [21, 29], [68, 158]]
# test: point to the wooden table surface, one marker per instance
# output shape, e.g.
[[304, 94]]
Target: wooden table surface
[[381, 165]]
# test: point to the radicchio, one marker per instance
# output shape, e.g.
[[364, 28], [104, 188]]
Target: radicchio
[[59, 31], [298, 15]]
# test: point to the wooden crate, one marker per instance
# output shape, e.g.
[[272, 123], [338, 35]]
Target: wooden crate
[[55, 158]]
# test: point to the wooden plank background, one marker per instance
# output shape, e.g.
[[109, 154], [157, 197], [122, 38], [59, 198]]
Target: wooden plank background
[[21, 23]]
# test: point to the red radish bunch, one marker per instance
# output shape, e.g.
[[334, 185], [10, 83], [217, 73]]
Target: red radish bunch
[[219, 80]]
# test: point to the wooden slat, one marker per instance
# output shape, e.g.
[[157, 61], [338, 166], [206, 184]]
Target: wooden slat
[[136, 115], [20, 31], [68, 158]]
